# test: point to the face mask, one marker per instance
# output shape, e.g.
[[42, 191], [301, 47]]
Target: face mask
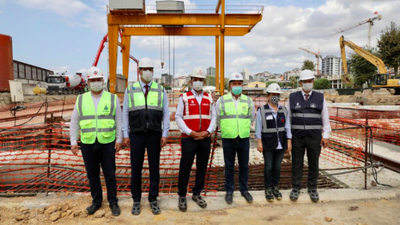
[[96, 86], [275, 100], [237, 90], [147, 75], [197, 85], [307, 86]]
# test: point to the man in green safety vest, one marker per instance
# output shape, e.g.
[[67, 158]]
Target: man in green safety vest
[[235, 115], [97, 114], [145, 119]]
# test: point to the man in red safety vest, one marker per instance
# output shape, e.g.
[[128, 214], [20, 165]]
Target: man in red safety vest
[[196, 118]]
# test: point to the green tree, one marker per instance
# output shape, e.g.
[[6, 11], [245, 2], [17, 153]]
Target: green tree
[[322, 84], [308, 65], [293, 82], [210, 81], [389, 46], [362, 70]]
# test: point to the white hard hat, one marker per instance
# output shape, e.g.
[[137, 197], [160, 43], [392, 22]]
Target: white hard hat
[[93, 73], [198, 72], [306, 75], [274, 88], [146, 63], [235, 76]]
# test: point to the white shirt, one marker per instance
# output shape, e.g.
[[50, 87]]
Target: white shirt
[[326, 126], [74, 124], [179, 115]]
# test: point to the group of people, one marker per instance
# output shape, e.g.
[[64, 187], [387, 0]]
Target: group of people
[[143, 124]]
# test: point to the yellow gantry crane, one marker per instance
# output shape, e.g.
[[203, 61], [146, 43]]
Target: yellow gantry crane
[[136, 22], [317, 55], [381, 79]]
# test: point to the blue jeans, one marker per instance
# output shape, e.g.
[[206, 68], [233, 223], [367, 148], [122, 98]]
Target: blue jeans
[[272, 167], [230, 148]]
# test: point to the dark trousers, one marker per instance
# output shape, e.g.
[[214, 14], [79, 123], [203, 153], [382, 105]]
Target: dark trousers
[[272, 167], [242, 148], [299, 146], [94, 156], [190, 149], [140, 141]]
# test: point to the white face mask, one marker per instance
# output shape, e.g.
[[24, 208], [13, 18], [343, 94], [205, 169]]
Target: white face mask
[[197, 85], [308, 86], [96, 86], [147, 75]]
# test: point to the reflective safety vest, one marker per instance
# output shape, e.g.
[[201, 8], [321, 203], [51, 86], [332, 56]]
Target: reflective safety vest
[[235, 122], [145, 113], [98, 124], [306, 118], [197, 117], [272, 128]]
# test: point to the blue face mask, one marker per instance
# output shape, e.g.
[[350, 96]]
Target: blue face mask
[[237, 90]]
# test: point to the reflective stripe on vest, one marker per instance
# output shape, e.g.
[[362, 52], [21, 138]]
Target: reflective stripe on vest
[[98, 124], [265, 128], [137, 100], [235, 122]]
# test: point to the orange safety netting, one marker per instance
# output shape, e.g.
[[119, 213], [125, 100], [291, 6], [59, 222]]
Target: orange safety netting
[[38, 158]]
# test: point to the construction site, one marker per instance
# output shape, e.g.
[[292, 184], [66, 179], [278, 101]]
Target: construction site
[[42, 181]]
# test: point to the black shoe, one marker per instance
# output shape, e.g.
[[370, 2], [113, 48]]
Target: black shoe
[[269, 195], [182, 204], [277, 193], [92, 209], [200, 201], [247, 196], [229, 198], [313, 195], [155, 209], [136, 208], [115, 210], [294, 194]]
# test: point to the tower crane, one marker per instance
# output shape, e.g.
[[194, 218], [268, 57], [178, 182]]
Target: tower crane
[[317, 55], [370, 21]]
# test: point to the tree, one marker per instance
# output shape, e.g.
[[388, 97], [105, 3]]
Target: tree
[[322, 84], [293, 81], [362, 70], [308, 65], [210, 81], [389, 47]]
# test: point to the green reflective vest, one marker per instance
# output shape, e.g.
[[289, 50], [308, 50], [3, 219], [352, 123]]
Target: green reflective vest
[[100, 124], [145, 113], [235, 122], [137, 100]]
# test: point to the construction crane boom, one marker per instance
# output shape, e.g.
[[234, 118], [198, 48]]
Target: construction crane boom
[[317, 55], [370, 21]]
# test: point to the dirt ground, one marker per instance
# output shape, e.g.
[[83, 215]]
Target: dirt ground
[[70, 209]]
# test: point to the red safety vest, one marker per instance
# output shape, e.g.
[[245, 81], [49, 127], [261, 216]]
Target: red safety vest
[[196, 118]]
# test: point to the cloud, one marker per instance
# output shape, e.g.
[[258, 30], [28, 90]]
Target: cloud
[[62, 7]]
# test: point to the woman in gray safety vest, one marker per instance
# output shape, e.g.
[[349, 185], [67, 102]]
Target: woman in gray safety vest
[[273, 138]]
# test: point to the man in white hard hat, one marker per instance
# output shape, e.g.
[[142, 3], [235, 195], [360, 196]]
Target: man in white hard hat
[[310, 129], [97, 114], [145, 120], [235, 115], [273, 139], [196, 118]]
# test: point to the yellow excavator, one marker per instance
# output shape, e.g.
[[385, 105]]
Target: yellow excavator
[[381, 79]]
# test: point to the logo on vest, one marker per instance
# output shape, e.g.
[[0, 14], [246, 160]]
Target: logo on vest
[[105, 108], [244, 110], [297, 106], [313, 105]]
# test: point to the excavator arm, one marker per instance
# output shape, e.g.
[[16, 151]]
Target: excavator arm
[[363, 53]]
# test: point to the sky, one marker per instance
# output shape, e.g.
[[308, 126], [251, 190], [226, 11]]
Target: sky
[[64, 35]]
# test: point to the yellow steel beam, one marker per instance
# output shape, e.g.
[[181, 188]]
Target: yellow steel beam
[[218, 6], [222, 39], [184, 31], [112, 55], [126, 41], [217, 63], [184, 19]]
